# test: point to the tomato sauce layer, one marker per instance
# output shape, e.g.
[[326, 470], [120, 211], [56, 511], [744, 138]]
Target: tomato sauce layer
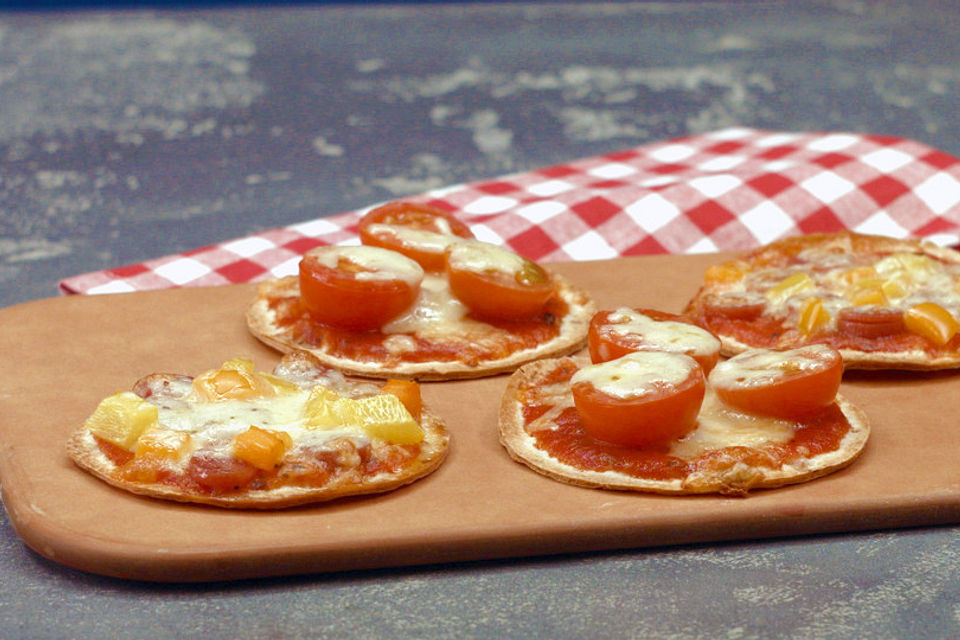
[[569, 443], [762, 332], [206, 475], [508, 337]]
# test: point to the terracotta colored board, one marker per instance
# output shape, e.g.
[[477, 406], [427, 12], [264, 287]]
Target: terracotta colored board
[[62, 355]]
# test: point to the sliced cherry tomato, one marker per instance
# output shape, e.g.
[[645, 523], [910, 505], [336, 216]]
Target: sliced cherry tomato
[[418, 231], [870, 321], [358, 288], [614, 334], [643, 398], [497, 283], [784, 384]]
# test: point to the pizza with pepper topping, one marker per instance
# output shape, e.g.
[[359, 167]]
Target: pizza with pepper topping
[[239, 438], [884, 303], [655, 419], [420, 298]]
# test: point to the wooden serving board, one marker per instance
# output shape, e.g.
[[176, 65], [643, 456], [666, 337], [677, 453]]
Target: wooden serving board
[[62, 355]]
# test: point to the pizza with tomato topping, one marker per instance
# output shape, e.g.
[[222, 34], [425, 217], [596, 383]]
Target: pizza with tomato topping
[[654, 419], [239, 438], [420, 298], [884, 303]]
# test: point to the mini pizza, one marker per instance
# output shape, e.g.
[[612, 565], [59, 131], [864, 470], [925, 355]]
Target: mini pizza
[[653, 421], [883, 303], [234, 437], [420, 298]]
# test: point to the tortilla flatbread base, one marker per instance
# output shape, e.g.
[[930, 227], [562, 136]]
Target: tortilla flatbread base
[[572, 336], [83, 450], [738, 479]]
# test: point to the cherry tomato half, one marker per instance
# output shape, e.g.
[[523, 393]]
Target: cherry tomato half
[[784, 384], [497, 283], [643, 398], [358, 288], [418, 231], [616, 333]]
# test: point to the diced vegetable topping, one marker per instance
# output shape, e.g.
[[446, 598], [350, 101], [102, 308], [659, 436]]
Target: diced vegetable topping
[[790, 286], [261, 447], [234, 380], [931, 321], [726, 272], [385, 417], [382, 416], [864, 292], [812, 316], [121, 418], [157, 442]]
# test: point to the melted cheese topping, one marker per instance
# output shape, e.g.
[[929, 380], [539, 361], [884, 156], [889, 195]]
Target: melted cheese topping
[[426, 240], [436, 311], [760, 367], [213, 425], [379, 264], [637, 374], [720, 426], [674, 336], [483, 257]]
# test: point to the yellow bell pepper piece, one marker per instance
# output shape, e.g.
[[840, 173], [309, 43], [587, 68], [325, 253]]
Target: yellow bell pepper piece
[[322, 409], [263, 448], [931, 321], [894, 288], [914, 265], [726, 272], [155, 450], [382, 416], [280, 385], [121, 418], [790, 286], [157, 442], [812, 316], [857, 273], [234, 380], [864, 292]]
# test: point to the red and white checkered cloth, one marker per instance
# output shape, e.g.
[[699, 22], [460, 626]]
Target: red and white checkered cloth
[[731, 189]]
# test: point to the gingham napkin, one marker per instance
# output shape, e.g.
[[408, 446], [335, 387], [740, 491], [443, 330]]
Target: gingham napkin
[[731, 189]]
